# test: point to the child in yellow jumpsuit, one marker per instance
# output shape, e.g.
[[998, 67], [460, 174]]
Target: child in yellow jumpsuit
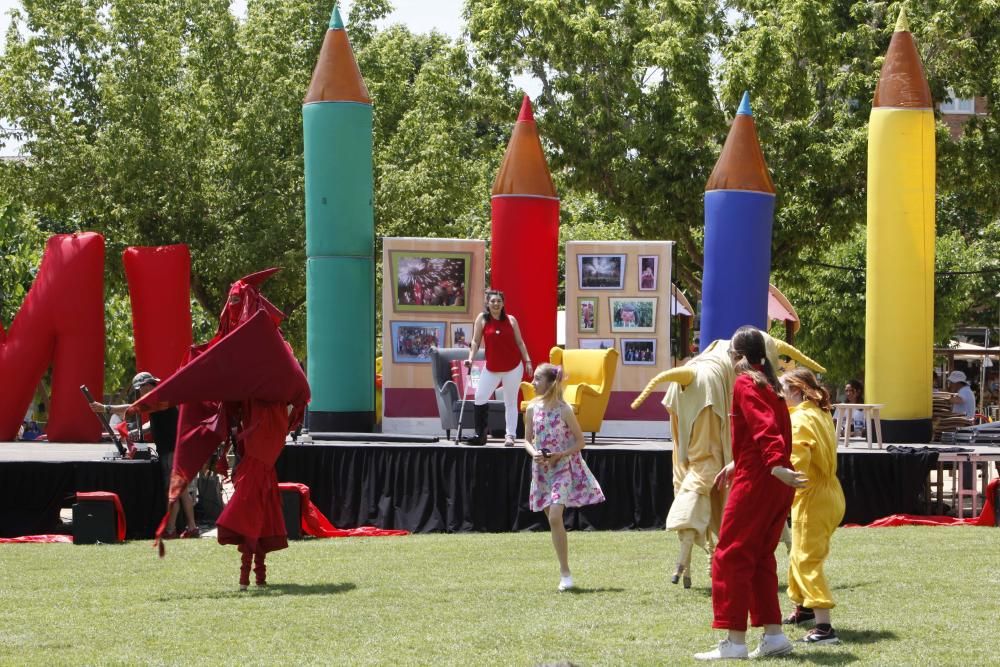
[[817, 509]]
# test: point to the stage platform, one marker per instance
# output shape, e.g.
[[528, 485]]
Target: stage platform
[[37, 479], [432, 486], [444, 487]]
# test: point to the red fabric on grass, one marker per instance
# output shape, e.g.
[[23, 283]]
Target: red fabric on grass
[[986, 518], [314, 523], [109, 497], [38, 539]]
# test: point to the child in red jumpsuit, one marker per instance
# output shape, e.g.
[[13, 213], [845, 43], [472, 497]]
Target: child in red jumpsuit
[[744, 571]]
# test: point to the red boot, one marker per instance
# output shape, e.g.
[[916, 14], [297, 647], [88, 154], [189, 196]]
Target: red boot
[[259, 569], [246, 559]]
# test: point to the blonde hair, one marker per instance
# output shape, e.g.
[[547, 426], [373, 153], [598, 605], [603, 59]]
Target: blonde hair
[[553, 375], [803, 380]]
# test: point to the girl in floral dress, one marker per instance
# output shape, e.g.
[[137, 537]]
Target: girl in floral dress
[[559, 476]]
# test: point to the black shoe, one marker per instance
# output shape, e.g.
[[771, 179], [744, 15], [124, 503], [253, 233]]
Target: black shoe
[[481, 415], [799, 616], [818, 637]]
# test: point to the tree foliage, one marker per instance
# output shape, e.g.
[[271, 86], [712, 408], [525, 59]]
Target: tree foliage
[[627, 105], [164, 121]]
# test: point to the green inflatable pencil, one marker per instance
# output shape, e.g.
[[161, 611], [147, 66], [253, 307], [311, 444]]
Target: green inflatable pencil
[[340, 240]]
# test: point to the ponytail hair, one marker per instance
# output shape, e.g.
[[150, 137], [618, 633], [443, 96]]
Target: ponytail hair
[[553, 375], [803, 380], [747, 350]]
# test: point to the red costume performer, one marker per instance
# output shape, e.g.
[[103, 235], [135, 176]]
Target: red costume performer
[[246, 377], [744, 571]]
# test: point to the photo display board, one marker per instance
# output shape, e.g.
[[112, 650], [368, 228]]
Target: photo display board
[[618, 295], [432, 291]]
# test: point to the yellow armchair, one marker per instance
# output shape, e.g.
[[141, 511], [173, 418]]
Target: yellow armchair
[[588, 376]]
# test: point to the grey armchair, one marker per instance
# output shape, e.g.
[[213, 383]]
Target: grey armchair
[[446, 393]]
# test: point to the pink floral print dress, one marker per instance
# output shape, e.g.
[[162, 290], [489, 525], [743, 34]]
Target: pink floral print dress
[[567, 482]]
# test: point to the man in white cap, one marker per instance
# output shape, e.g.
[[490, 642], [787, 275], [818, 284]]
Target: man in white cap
[[163, 423], [964, 401]]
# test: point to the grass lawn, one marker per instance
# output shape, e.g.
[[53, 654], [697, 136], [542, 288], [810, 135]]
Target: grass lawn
[[907, 596]]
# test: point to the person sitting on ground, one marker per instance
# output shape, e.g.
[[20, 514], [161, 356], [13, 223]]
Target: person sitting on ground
[[31, 431]]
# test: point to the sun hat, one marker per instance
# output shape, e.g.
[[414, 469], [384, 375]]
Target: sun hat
[[145, 378], [956, 376]]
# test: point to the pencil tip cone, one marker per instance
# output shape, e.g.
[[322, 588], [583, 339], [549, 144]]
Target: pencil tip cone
[[526, 113], [745, 105], [902, 24]]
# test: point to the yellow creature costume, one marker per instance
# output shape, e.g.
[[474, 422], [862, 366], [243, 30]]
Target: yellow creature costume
[[699, 424], [698, 401], [818, 508]]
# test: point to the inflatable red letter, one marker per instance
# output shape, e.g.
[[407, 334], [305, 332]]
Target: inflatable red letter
[[159, 286], [61, 323]]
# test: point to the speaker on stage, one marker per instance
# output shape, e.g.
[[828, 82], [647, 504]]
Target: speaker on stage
[[95, 521], [291, 507]]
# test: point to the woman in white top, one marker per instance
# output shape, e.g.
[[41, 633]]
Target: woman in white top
[[855, 393]]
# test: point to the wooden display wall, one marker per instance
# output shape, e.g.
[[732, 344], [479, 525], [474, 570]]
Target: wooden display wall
[[618, 294], [432, 291]]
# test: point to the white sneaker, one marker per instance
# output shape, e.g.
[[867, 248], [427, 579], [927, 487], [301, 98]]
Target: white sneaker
[[565, 583], [772, 645], [726, 650]]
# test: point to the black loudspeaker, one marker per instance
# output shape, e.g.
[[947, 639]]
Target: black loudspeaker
[[291, 507], [94, 521]]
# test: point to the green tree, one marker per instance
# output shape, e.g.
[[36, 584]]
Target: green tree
[[643, 144], [627, 108], [21, 245]]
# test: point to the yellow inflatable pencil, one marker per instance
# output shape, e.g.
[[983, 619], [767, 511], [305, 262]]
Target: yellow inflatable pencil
[[899, 322]]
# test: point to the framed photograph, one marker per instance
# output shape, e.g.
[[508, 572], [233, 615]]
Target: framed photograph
[[601, 271], [635, 314], [586, 314], [639, 351], [597, 343], [430, 282], [412, 341], [460, 334], [649, 273]]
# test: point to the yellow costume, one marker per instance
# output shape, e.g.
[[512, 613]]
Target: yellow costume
[[698, 399], [817, 509], [699, 423]]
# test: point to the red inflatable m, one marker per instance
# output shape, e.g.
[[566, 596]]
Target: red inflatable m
[[60, 324]]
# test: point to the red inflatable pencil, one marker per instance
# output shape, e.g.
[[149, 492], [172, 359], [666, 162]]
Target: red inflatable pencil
[[525, 237]]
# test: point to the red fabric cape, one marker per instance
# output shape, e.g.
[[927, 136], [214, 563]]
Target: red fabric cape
[[314, 523], [252, 362], [250, 369]]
